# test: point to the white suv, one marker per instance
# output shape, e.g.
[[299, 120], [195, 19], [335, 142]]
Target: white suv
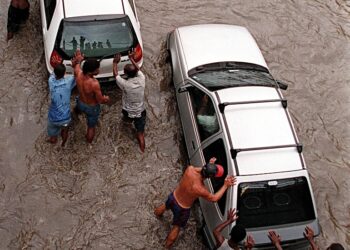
[[232, 108], [98, 28]]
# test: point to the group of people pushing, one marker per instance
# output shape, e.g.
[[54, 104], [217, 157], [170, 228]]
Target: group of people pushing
[[90, 96], [191, 185]]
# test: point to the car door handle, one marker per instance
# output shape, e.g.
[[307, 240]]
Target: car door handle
[[193, 145]]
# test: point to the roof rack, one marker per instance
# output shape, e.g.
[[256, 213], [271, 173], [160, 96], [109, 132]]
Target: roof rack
[[224, 104], [235, 151]]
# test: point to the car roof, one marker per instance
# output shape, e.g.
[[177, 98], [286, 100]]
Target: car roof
[[74, 8], [209, 43], [256, 125]]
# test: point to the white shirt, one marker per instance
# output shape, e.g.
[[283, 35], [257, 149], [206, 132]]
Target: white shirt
[[133, 94], [209, 123], [225, 246]]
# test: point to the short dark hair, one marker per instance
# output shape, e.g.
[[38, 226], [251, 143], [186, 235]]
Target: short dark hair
[[336, 246], [130, 70], [90, 65], [59, 70], [238, 233]]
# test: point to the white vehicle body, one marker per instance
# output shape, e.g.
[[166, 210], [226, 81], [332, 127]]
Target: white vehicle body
[[59, 15], [247, 128]]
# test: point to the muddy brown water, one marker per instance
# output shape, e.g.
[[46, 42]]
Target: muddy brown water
[[101, 196]]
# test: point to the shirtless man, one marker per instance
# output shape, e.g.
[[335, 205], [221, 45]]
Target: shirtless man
[[18, 13], [190, 188], [90, 95]]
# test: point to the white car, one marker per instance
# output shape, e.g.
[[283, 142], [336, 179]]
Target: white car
[[232, 108], [99, 29]]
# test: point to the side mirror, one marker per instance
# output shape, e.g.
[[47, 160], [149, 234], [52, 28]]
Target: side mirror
[[184, 88], [282, 85]]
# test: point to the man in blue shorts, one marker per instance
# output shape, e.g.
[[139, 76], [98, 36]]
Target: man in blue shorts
[[190, 188], [90, 95], [59, 115]]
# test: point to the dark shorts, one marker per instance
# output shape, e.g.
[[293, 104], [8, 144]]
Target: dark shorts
[[15, 18], [139, 122], [92, 113], [181, 215], [54, 128]]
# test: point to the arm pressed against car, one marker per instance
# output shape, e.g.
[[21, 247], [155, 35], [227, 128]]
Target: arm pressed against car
[[190, 188]]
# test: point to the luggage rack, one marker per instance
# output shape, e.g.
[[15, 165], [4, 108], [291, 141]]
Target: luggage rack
[[234, 151], [224, 104]]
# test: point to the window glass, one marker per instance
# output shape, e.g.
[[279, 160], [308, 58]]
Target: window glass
[[205, 113], [217, 150], [277, 202], [50, 6], [225, 75], [98, 38]]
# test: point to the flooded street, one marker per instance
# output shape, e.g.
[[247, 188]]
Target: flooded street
[[101, 196]]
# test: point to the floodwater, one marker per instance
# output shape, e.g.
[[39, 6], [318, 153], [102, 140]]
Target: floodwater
[[101, 196]]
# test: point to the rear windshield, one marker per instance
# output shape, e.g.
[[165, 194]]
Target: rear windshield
[[97, 38], [269, 203]]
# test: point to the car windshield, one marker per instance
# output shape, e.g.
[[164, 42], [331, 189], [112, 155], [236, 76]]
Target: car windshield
[[277, 202], [219, 76], [97, 38]]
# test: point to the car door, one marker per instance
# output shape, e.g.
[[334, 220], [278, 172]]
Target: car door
[[214, 213], [186, 109]]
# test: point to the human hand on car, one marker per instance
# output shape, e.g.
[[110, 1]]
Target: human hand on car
[[232, 215], [56, 59], [117, 58], [78, 55], [275, 239], [309, 233], [212, 160], [77, 58], [249, 243], [131, 54], [230, 181]]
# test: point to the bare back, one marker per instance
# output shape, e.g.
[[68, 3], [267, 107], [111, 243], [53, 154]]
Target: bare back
[[89, 89], [190, 188]]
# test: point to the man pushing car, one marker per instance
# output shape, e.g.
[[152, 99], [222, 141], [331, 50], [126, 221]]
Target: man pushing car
[[190, 188]]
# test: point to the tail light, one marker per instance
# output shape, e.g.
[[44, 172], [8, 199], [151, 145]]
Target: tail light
[[138, 53], [55, 59]]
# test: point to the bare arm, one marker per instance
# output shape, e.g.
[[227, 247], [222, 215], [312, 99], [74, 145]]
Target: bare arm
[[98, 94], [116, 60], [131, 57], [231, 217], [204, 105], [76, 61], [249, 244], [275, 239], [309, 235], [229, 181]]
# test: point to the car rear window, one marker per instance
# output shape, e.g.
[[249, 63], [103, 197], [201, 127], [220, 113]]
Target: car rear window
[[270, 203], [95, 38]]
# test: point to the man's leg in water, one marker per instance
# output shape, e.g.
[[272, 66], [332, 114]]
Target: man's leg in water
[[139, 124], [159, 211], [90, 134], [52, 139], [172, 236], [64, 135], [141, 139]]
